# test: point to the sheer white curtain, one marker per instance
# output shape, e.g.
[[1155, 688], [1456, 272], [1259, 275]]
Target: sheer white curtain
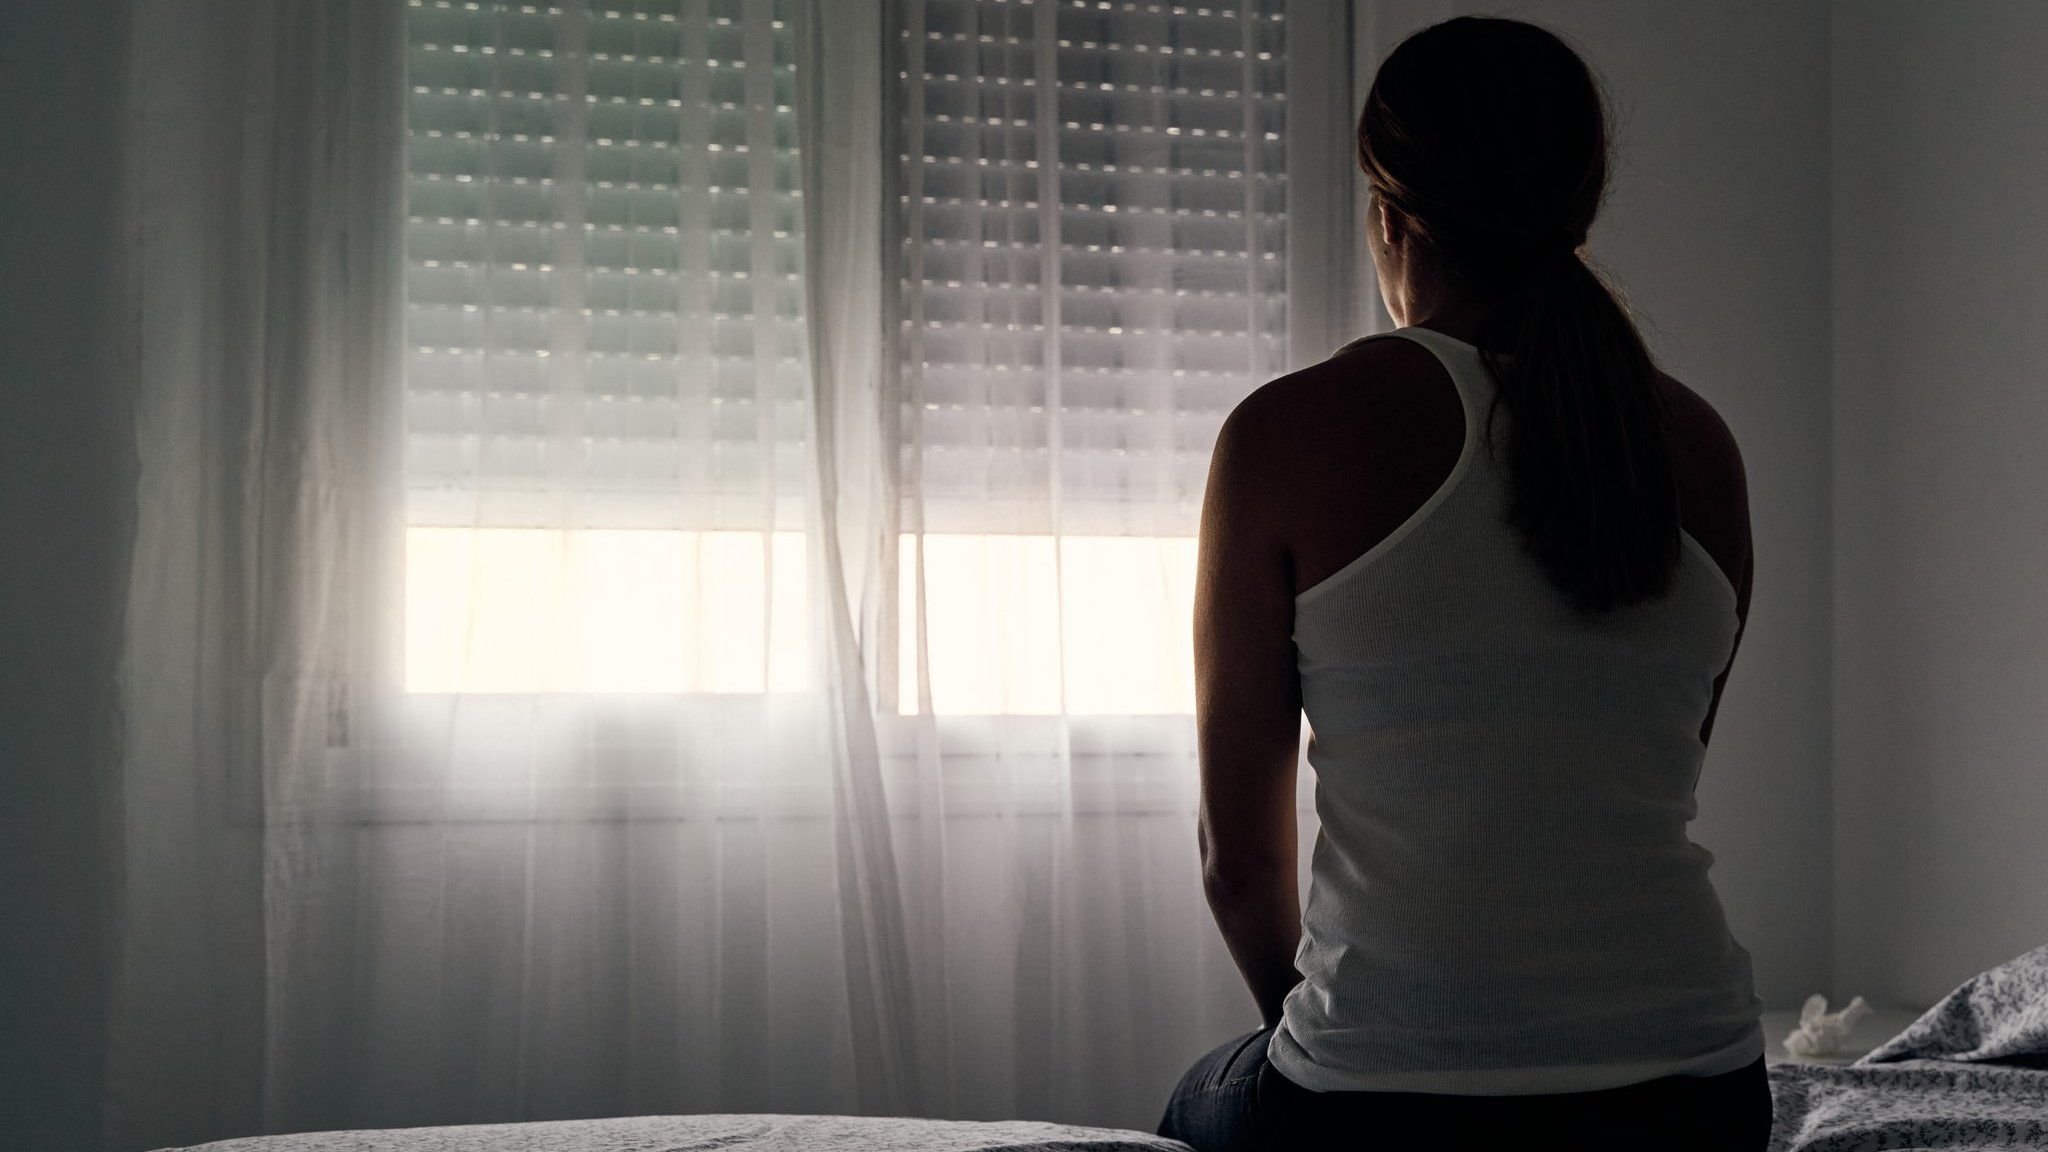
[[1088, 237], [262, 220], [665, 547]]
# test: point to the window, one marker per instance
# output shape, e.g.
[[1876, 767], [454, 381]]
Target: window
[[604, 413]]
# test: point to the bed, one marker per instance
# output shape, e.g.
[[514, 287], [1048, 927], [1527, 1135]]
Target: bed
[[1971, 1072]]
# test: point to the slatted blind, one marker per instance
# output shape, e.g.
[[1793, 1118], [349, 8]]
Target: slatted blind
[[604, 251], [1091, 249]]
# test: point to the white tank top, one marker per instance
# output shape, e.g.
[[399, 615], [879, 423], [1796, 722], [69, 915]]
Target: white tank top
[[1503, 898]]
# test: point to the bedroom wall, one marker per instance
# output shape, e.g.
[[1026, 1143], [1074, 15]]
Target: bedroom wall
[[1941, 533], [66, 502], [1716, 229]]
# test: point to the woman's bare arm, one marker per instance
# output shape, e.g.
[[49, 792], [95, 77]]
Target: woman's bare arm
[[1248, 707]]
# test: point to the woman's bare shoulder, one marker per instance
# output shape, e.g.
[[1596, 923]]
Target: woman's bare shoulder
[[1361, 376], [1334, 456]]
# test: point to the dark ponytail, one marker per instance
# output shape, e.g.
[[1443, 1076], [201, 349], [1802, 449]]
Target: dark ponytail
[[1487, 140]]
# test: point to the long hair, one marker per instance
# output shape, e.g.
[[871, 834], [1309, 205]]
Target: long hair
[[1486, 139]]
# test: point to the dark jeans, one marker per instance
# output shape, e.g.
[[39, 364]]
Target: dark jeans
[[1232, 1100]]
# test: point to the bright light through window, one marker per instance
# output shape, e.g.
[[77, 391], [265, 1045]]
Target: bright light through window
[[532, 610], [1098, 627]]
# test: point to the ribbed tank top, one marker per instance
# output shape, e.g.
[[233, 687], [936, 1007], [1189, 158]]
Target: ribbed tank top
[[1503, 897]]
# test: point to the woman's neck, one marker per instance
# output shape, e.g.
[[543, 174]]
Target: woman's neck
[[1428, 299], [1464, 322]]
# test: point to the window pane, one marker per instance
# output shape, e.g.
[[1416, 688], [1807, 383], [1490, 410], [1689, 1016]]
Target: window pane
[[523, 610], [1031, 625]]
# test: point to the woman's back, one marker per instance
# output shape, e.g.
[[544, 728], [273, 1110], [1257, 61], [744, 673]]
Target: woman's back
[[1375, 431], [1504, 899]]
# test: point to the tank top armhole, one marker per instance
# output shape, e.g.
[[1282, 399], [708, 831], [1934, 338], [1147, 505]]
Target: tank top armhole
[[1720, 577]]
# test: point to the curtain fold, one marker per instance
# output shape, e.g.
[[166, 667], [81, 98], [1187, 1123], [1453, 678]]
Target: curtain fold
[[262, 219], [839, 119], [662, 554]]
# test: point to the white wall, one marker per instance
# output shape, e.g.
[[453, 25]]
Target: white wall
[[1941, 511], [1716, 230]]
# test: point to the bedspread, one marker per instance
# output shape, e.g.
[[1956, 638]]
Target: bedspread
[[1971, 1072]]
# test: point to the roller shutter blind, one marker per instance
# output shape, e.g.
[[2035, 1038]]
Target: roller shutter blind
[[604, 251], [604, 248], [1092, 254]]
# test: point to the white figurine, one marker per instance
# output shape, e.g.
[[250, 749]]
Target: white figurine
[[1821, 1034]]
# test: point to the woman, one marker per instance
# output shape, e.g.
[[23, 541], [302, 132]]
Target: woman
[[1502, 563]]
